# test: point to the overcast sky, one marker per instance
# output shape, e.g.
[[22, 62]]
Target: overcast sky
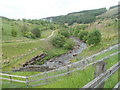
[[36, 9]]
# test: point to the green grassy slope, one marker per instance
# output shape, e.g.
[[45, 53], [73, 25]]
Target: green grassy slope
[[112, 12], [20, 25]]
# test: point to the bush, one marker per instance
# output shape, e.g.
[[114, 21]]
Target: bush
[[24, 29], [69, 44], [75, 32], [94, 37], [83, 35], [58, 41], [36, 32], [65, 33], [29, 35], [14, 33]]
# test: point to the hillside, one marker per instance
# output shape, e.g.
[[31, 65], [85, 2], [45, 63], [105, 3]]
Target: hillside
[[61, 51], [112, 12], [86, 16], [23, 28]]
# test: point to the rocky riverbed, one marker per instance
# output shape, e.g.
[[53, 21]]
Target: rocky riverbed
[[65, 59], [59, 61]]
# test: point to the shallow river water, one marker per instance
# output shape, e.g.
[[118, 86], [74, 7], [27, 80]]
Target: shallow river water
[[65, 59]]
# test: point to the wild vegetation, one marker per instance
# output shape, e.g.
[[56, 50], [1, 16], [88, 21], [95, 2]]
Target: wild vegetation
[[26, 38], [26, 29]]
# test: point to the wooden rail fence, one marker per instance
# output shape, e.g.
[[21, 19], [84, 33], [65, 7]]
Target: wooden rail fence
[[101, 78], [67, 71], [35, 80], [11, 76]]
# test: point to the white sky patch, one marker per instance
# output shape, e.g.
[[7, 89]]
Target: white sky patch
[[36, 9]]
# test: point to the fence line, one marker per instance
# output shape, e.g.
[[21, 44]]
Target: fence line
[[81, 65], [81, 61], [100, 79], [10, 76], [13, 80], [75, 69], [68, 72], [117, 86]]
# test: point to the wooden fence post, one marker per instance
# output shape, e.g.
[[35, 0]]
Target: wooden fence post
[[27, 83], [93, 58], [10, 79], [46, 75], [100, 68], [68, 69]]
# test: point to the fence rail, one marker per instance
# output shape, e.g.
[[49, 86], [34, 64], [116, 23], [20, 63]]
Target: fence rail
[[12, 75], [100, 79], [117, 86], [13, 80], [9, 78]]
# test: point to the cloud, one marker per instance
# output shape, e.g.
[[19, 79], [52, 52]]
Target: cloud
[[44, 8]]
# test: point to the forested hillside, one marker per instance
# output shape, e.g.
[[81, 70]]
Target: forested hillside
[[86, 16], [83, 17]]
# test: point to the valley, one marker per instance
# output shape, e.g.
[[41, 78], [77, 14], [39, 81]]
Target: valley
[[72, 44]]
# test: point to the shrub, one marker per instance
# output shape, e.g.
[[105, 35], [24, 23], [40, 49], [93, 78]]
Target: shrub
[[83, 35], [29, 35], [75, 32], [36, 32], [65, 33], [58, 41], [94, 37], [14, 33], [24, 29], [69, 44]]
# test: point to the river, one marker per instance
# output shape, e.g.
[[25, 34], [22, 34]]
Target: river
[[65, 59]]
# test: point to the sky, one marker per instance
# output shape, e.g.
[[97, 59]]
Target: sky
[[37, 9]]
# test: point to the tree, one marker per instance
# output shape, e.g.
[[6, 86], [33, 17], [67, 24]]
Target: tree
[[36, 31], [58, 41], [94, 37], [82, 35], [64, 33], [24, 29], [14, 33], [30, 35], [69, 44]]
